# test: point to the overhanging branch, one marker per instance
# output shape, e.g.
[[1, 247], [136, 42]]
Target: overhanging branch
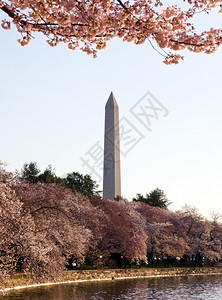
[[9, 12]]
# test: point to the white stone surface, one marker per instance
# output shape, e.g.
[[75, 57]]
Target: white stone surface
[[111, 169]]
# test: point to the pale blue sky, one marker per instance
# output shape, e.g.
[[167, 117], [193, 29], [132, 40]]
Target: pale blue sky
[[52, 112]]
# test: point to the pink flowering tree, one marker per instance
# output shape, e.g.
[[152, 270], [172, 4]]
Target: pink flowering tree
[[203, 237], [91, 24], [118, 237], [126, 231], [161, 226], [139, 234], [22, 242], [51, 207], [44, 226]]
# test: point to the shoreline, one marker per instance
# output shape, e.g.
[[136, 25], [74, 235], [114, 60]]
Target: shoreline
[[22, 281]]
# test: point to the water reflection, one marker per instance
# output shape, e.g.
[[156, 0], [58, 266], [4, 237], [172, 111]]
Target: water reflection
[[183, 288]]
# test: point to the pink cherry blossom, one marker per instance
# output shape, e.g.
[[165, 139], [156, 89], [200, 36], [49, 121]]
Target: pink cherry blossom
[[90, 25]]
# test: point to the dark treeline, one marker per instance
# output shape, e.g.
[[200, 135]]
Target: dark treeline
[[75, 181], [46, 227]]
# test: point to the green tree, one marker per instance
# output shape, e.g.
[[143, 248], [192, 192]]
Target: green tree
[[156, 197], [49, 176], [139, 198], [118, 197], [75, 181], [30, 172], [82, 184]]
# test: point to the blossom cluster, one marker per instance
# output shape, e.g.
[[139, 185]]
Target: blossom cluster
[[89, 25]]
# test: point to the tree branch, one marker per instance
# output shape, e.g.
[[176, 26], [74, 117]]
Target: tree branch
[[121, 3], [50, 207], [9, 12]]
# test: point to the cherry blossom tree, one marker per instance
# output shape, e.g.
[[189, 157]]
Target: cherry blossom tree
[[10, 213], [44, 225], [51, 207], [91, 24], [139, 235], [117, 236], [203, 237], [21, 241], [125, 235], [161, 226]]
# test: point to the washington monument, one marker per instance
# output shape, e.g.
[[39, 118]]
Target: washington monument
[[111, 169]]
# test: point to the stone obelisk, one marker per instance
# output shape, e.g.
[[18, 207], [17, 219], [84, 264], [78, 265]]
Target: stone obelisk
[[111, 169]]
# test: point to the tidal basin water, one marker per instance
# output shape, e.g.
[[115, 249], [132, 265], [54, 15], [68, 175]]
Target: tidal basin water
[[189, 287]]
